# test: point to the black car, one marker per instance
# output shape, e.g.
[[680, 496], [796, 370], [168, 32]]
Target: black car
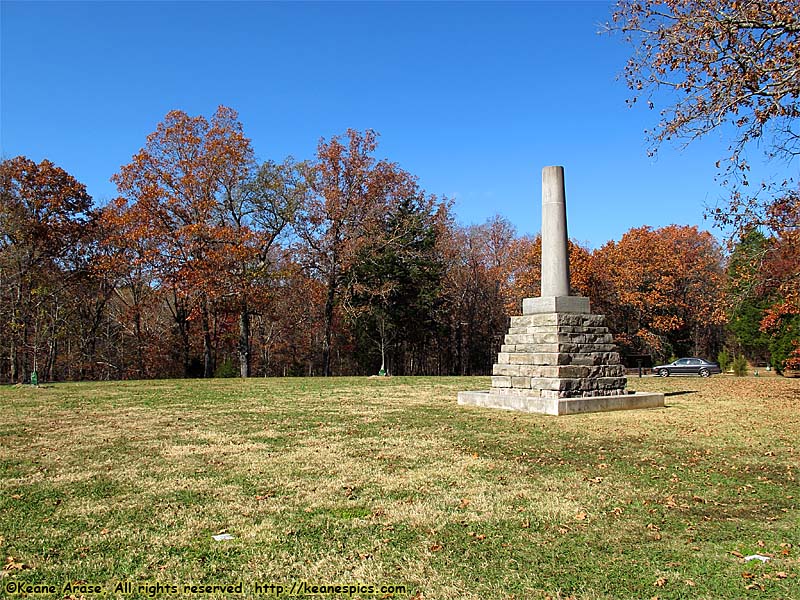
[[688, 366]]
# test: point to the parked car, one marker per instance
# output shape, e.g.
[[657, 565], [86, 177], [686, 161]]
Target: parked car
[[688, 366]]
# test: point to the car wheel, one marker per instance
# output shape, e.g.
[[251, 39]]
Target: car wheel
[[663, 373], [705, 373]]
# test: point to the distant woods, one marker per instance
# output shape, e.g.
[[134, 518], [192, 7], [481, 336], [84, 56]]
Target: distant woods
[[211, 263]]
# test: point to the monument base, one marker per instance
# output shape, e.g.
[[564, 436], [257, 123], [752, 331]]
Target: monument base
[[561, 406]]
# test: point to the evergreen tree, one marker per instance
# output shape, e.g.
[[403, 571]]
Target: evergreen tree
[[750, 299], [393, 289]]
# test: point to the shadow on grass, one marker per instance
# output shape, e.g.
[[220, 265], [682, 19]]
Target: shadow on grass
[[682, 393]]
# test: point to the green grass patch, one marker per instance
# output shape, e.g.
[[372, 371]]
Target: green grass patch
[[358, 481]]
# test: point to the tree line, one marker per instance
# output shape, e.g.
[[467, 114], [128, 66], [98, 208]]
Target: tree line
[[211, 263]]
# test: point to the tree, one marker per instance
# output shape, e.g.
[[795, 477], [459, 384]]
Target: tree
[[350, 193], [476, 287], [732, 65], [748, 296], [174, 186], [664, 292], [129, 256], [782, 273], [259, 209], [45, 216], [723, 62], [391, 290]]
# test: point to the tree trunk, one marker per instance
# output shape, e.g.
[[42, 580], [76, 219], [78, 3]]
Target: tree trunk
[[244, 341], [137, 330], [208, 364], [186, 350], [326, 342], [181, 320], [51, 359], [382, 333], [13, 358], [14, 329]]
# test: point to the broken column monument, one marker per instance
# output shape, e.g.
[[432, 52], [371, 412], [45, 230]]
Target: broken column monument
[[558, 358]]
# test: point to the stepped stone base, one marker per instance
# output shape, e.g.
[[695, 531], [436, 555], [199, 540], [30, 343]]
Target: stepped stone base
[[566, 354], [561, 406], [559, 359]]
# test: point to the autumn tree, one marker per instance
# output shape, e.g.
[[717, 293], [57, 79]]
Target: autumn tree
[[781, 273], [173, 186], [721, 62], [258, 208], [350, 191], [732, 66], [664, 290], [129, 256], [45, 217], [475, 292], [286, 334]]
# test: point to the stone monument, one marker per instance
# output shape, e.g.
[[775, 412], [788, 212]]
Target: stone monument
[[558, 358]]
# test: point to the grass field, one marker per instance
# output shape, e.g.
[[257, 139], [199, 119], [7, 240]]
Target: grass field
[[358, 481]]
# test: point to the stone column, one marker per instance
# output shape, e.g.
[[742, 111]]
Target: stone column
[[555, 296], [557, 357], [555, 252]]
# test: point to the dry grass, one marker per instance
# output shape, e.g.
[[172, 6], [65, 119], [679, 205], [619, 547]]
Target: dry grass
[[390, 482]]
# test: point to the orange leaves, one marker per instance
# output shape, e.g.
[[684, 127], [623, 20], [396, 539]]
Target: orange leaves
[[660, 281], [42, 206], [173, 226], [730, 63], [362, 223], [172, 184]]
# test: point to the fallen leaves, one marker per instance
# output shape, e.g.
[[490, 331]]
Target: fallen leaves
[[655, 531], [13, 564]]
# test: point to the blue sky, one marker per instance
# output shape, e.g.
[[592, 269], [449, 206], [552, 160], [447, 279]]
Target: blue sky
[[473, 98]]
